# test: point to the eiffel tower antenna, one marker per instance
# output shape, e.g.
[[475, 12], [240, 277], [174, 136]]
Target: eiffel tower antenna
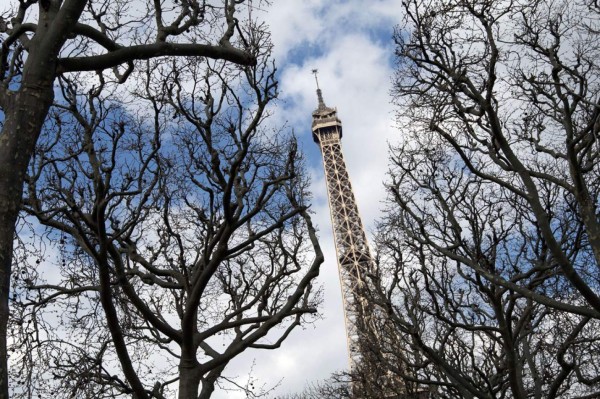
[[316, 72]]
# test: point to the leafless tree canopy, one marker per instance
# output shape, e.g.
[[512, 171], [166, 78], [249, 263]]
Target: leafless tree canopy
[[336, 387], [182, 229], [46, 39], [489, 257]]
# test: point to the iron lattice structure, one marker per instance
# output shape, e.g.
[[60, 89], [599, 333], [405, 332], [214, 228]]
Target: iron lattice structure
[[354, 256], [366, 326]]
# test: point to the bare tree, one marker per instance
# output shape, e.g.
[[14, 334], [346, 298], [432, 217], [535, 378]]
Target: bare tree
[[335, 387], [42, 40], [489, 256], [183, 232]]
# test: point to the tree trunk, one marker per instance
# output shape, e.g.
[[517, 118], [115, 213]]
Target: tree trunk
[[208, 387], [24, 112], [208, 383], [189, 378]]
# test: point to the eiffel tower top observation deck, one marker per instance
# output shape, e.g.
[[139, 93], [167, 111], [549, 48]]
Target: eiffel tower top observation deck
[[324, 118]]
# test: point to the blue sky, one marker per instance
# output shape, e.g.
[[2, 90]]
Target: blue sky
[[350, 43]]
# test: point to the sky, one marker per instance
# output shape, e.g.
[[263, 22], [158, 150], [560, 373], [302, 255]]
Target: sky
[[350, 43]]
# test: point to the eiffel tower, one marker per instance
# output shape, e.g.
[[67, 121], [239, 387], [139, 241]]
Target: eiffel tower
[[354, 257], [355, 262]]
